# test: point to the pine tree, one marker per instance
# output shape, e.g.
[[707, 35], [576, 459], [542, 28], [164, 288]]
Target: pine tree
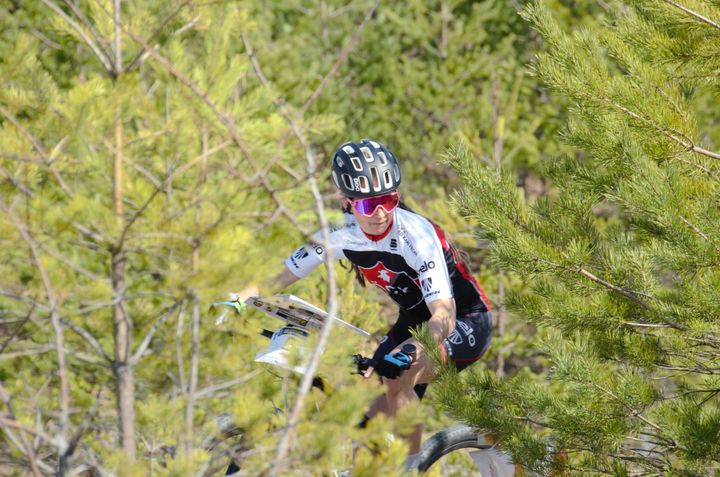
[[620, 259]]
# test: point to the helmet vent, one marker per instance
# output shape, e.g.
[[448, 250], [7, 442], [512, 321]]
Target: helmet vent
[[387, 179], [383, 158], [375, 178], [347, 181], [364, 184], [356, 163], [367, 154]]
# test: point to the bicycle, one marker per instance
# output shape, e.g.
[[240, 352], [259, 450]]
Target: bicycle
[[302, 318]]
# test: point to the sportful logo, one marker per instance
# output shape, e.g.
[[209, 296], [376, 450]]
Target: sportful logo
[[301, 253], [455, 337], [426, 284], [393, 244]]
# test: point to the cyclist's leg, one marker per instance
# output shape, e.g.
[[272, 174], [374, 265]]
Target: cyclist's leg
[[395, 335], [465, 345], [470, 339], [398, 393]]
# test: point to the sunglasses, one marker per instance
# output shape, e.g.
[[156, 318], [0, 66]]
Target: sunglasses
[[369, 205]]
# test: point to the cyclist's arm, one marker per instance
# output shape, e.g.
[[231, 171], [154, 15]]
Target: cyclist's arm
[[442, 319], [441, 323], [269, 287]]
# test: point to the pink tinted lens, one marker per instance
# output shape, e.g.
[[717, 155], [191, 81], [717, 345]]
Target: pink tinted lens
[[369, 206]]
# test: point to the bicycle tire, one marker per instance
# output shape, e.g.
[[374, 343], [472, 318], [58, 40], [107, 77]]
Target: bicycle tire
[[446, 441]]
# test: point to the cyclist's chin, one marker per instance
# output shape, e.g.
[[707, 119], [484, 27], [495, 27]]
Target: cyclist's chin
[[376, 227]]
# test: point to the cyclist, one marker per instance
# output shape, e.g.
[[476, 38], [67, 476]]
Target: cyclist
[[409, 258]]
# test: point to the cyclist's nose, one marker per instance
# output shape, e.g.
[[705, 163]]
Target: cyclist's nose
[[380, 213]]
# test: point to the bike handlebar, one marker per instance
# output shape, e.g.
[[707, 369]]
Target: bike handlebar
[[403, 359]]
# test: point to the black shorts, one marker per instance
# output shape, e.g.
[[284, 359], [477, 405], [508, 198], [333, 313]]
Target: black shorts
[[465, 345]]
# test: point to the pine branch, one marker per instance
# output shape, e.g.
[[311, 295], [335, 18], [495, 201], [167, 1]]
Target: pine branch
[[47, 160], [80, 431], [224, 118], [694, 14], [342, 58], [209, 392], [99, 40], [699, 232], [9, 421], [88, 337], [54, 317], [157, 31], [102, 55], [151, 333], [70, 264], [18, 185], [675, 136]]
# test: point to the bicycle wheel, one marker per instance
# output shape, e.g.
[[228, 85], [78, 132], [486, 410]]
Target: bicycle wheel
[[457, 449]]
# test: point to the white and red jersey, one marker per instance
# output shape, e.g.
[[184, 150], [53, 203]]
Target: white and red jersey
[[412, 262]]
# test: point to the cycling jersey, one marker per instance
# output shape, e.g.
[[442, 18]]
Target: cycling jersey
[[412, 262]]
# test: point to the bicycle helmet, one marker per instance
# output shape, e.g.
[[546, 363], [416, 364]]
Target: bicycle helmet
[[365, 169]]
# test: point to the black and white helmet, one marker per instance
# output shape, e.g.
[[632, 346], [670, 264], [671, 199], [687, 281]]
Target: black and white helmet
[[365, 169]]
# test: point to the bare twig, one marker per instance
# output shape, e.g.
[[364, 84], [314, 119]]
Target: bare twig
[[694, 14], [211, 390], [18, 185], [54, 317], [88, 337]]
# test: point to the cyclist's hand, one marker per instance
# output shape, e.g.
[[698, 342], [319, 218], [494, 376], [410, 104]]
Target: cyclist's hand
[[235, 304], [392, 365]]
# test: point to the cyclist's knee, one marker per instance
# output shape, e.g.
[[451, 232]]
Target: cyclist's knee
[[407, 381]]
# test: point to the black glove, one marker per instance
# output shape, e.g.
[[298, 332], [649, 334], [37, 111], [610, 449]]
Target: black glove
[[391, 366]]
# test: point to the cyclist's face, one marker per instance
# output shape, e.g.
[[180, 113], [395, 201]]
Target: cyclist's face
[[375, 224]]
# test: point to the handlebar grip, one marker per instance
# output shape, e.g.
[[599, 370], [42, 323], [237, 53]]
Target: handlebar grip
[[362, 363]]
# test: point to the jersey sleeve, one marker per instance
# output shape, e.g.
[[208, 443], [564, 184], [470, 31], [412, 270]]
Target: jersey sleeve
[[309, 256], [431, 267]]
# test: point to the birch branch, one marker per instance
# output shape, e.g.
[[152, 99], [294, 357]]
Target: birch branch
[[284, 446]]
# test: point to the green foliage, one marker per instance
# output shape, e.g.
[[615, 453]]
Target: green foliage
[[213, 192], [619, 258]]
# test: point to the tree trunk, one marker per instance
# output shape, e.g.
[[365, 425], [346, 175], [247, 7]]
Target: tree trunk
[[122, 322], [124, 373]]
